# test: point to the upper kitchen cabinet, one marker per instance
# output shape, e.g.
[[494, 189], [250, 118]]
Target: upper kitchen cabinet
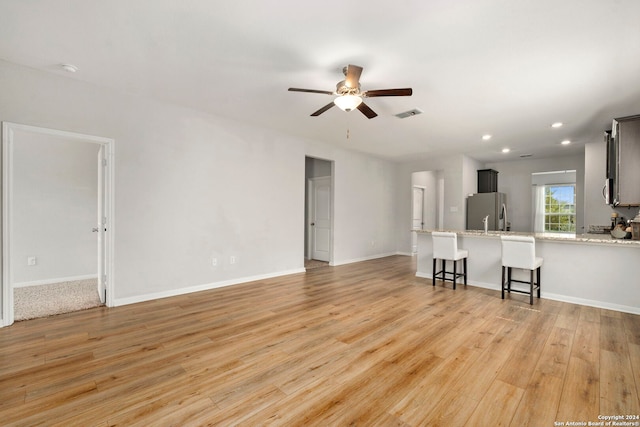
[[487, 181], [626, 179]]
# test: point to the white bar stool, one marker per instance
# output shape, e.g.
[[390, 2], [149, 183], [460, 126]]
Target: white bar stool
[[445, 248], [520, 252]]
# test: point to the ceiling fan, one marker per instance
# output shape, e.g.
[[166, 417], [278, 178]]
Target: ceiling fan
[[348, 95]]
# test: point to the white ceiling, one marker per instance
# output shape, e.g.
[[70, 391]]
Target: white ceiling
[[503, 67]]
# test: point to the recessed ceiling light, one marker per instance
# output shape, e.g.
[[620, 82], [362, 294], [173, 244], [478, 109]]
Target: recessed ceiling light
[[486, 137], [557, 125], [565, 142], [69, 68], [506, 150]]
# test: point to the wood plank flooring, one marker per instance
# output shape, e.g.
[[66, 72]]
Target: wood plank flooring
[[361, 344]]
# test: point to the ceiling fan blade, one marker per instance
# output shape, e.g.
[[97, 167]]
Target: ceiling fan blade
[[364, 108], [352, 77], [388, 92], [323, 109], [295, 89]]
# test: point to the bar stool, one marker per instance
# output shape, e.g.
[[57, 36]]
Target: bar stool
[[520, 252], [445, 248]]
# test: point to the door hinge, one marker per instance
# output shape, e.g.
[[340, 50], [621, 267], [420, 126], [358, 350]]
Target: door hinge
[[104, 162]]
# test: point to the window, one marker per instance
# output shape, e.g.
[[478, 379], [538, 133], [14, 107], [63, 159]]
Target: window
[[560, 208]]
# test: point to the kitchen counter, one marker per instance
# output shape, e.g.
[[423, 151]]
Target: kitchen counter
[[589, 269], [606, 239]]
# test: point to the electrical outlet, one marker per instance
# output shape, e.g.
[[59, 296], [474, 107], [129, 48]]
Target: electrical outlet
[[31, 260], [214, 261], [232, 259]]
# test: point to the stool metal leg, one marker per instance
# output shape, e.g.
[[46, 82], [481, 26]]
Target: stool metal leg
[[531, 287], [538, 282], [464, 264], [455, 273], [502, 282], [434, 275]]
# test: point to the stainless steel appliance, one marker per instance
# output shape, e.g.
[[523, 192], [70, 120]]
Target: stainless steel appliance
[[482, 204]]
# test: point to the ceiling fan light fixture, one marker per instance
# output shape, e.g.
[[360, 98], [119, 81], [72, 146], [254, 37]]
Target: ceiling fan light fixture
[[347, 102]]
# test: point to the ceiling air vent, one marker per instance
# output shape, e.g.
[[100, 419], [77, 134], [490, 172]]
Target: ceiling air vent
[[409, 113]]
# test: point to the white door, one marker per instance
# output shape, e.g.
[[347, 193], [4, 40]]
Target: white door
[[418, 215], [101, 225], [418, 208], [320, 218]]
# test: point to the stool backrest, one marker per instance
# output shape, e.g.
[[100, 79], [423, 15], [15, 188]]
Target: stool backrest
[[518, 251], [445, 244]]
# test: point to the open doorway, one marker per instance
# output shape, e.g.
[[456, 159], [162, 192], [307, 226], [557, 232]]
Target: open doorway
[[318, 233], [427, 201], [57, 221]]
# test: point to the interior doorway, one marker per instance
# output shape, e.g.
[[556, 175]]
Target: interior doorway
[[57, 212], [418, 215], [318, 212], [427, 201]]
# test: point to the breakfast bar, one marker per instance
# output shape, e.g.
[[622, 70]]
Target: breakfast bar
[[589, 269]]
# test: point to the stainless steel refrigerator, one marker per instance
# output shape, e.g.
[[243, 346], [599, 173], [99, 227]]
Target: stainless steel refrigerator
[[482, 204]]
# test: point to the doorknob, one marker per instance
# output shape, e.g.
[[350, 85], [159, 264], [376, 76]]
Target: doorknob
[[95, 230]]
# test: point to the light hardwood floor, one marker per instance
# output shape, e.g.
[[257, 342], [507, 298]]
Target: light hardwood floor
[[361, 344]]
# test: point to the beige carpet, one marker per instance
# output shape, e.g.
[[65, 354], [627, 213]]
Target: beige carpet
[[310, 264], [31, 302]]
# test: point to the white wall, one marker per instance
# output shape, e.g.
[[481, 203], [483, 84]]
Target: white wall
[[54, 193], [190, 186], [514, 179], [315, 168], [470, 183]]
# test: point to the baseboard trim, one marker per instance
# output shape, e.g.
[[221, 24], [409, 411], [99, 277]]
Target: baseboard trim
[[54, 281], [407, 253], [591, 303], [203, 287], [557, 297], [368, 258]]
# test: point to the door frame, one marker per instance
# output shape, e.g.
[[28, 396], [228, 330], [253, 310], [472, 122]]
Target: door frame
[[8, 141]]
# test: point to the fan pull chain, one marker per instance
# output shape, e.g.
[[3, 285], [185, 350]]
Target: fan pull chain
[[347, 119]]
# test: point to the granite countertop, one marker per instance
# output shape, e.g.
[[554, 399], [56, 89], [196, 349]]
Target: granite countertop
[[560, 237]]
